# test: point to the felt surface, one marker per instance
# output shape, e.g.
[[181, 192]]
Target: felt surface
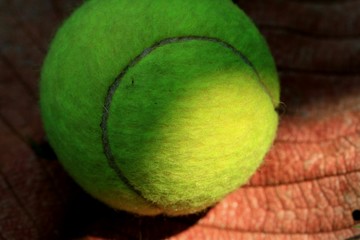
[[188, 122], [312, 198]]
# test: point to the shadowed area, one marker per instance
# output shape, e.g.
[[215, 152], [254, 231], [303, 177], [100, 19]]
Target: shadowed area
[[85, 216]]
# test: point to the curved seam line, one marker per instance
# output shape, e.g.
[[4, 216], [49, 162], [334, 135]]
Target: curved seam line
[[132, 63]]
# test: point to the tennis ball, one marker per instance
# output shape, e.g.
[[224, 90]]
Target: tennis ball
[[159, 107]]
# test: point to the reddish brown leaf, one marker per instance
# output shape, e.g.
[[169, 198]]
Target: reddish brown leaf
[[307, 188]]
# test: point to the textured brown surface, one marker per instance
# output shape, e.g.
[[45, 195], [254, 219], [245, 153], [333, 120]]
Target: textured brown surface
[[306, 189]]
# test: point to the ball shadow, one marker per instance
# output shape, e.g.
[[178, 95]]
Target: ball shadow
[[85, 216], [302, 93]]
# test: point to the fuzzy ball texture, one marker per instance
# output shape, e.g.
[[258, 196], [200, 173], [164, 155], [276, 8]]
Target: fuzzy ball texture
[[159, 106]]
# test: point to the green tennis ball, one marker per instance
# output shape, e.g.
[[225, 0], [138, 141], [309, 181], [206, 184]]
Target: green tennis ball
[[159, 107]]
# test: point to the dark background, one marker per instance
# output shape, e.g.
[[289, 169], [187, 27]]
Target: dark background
[[307, 187]]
